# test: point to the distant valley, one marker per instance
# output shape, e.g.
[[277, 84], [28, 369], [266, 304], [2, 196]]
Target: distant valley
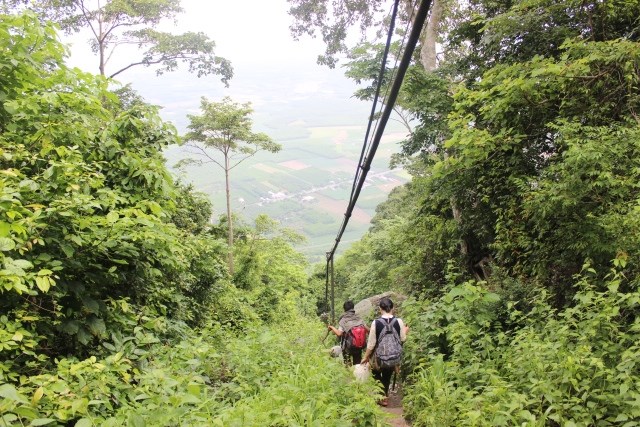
[[306, 186]]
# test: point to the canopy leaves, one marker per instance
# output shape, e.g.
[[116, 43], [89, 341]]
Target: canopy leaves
[[117, 24]]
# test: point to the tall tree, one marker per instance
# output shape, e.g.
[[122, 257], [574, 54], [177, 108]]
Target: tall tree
[[543, 144], [336, 19], [224, 128], [426, 97], [116, 23]]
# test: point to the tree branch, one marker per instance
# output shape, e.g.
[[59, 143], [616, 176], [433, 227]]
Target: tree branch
[[200, 151], [243, 159], [403, 120], [84, 10], [149, 62]]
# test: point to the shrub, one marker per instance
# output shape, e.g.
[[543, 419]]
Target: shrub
[[577, 366]]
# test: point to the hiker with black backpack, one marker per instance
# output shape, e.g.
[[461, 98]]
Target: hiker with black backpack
[[353, 334], [384, 347]]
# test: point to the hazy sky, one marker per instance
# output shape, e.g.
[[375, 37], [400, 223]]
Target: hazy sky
[[250, 32], [271, 70]]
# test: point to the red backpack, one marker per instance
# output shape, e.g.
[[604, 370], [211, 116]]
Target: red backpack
[[357, 337]]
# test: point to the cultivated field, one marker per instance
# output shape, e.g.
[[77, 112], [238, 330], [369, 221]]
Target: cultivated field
[[307, 185]]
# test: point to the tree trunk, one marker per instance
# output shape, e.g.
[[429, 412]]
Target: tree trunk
[[101, 46], [428, 51], [428, 57], [102, 66], [229, 220]]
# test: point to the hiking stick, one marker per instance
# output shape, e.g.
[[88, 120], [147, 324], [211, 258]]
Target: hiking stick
[[326, 335], [325, 319]]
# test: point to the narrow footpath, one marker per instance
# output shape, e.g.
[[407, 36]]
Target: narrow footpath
[[395, 409]]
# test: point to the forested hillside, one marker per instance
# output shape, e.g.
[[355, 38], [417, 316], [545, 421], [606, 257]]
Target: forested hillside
[[517, 241], [518, 236]]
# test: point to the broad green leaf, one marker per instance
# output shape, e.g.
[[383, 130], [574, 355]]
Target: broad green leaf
[[9, 392], [43, 283], [91, 305], [112, 217], [136, 420], [8, 418], [6, 244], [75, 239], [491, 297], [10, 107], [58, 386], [67, 249], [97, 326], [23, 264], [27, 412], [70, 327], [5, 229], [190, 398], [457, 291], [84, 336], [37, 395], [42, 421]]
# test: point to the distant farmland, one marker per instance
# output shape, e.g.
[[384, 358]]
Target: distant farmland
[[306, 186]]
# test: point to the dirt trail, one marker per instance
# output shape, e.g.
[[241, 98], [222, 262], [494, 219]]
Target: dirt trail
[[395, 408]]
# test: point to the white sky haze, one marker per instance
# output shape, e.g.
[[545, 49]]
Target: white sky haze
[[270, 68]]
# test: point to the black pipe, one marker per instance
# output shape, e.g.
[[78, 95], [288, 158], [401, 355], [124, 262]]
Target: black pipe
[[421, 17]]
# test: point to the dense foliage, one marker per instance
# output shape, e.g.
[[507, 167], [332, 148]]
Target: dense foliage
[[525, 163], [222, 136], [112, 24], [273, 376], [536, 170], [87, 203], [490, 360]]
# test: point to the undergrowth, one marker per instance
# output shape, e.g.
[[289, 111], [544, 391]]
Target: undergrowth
[[540, 367], [275, 376]]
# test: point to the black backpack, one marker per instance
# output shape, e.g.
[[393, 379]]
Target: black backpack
[[388, 349]]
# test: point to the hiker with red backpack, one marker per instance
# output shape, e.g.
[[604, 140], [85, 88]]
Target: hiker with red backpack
[[384, 347], [353, 334]]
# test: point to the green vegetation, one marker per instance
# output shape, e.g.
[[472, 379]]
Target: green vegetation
[[212, 377], [516, 241], [114, 23], [487, 359], [267, 172], [517, 235], [222, 136]]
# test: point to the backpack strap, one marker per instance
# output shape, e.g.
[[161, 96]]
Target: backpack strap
[[382, 323]]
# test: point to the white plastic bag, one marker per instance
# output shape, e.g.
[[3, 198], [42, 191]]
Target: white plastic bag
[[361, 372], [335, 351]]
